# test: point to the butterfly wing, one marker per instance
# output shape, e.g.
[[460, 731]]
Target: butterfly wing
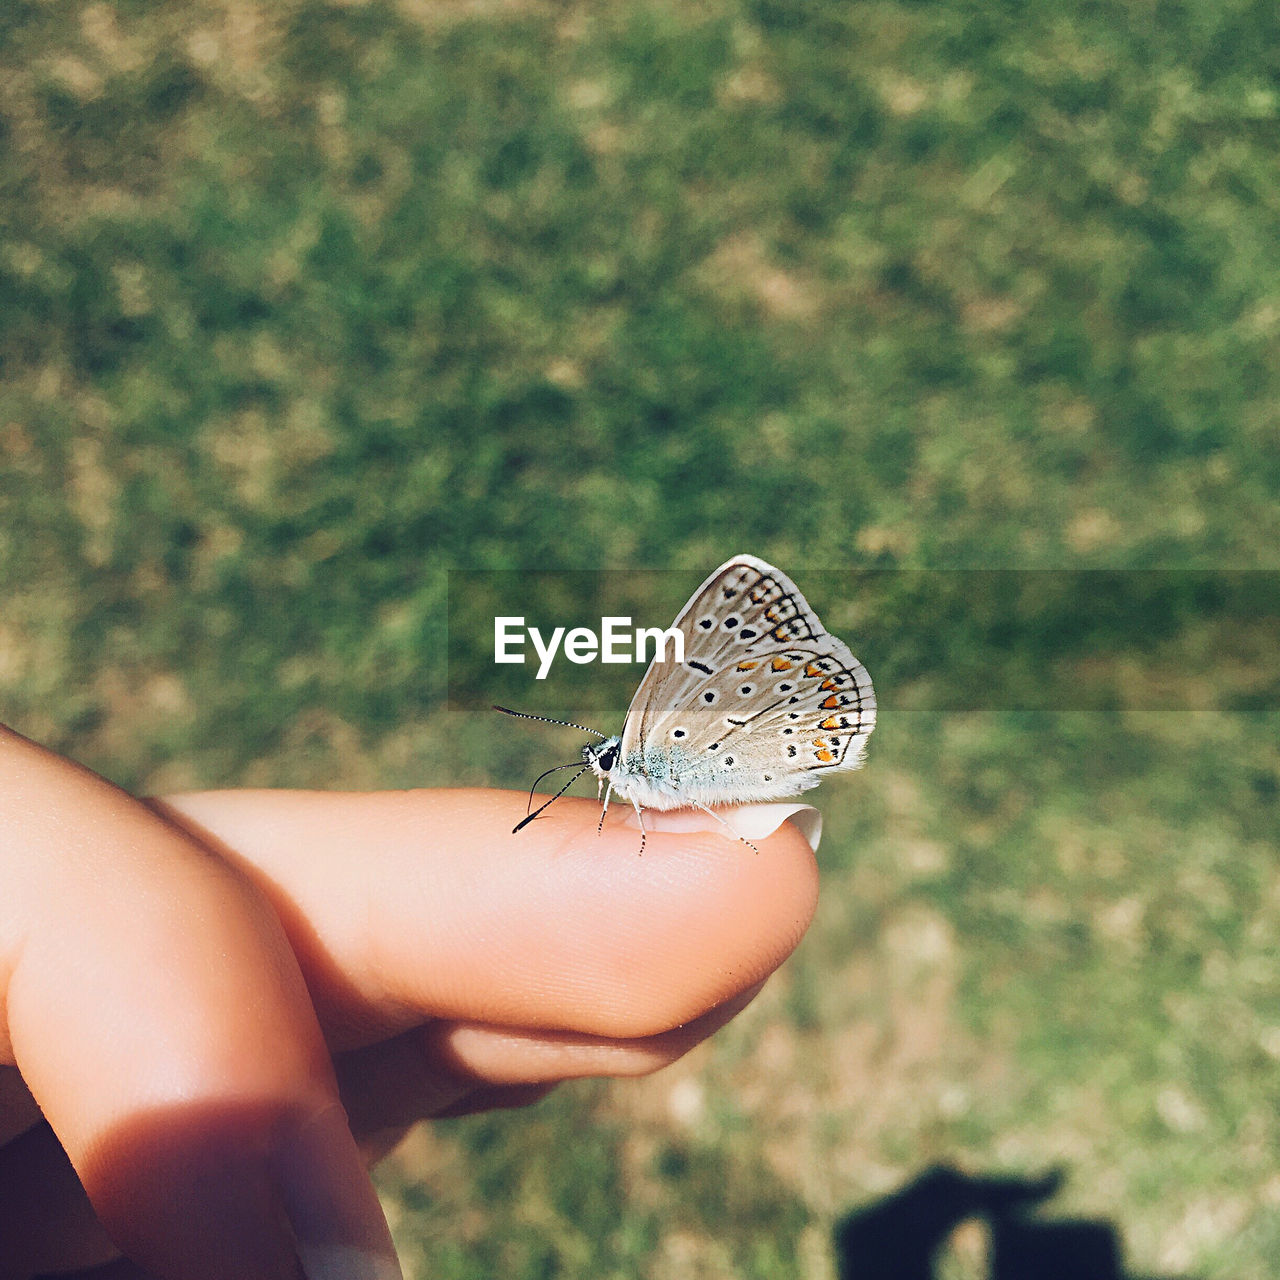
[[764, 703]]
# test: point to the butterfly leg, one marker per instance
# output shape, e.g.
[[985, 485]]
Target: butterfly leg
[[727, 827], [635, 804], [607, 793]]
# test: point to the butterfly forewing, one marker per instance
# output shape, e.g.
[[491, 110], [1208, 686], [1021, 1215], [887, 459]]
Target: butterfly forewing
[[764, 701]]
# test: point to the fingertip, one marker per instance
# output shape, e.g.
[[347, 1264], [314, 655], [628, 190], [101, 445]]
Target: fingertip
[[654, 939]]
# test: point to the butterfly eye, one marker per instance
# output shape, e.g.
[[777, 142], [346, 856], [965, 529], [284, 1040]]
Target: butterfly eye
[[607, 759]]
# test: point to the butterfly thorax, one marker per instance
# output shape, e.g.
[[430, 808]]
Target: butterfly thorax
[[649, 782]]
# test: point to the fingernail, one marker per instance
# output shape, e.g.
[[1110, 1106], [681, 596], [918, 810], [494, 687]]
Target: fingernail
[[750, 821], [338, 1227]]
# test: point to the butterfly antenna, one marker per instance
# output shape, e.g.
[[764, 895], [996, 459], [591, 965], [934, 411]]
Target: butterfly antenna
[[568, 724], [573, 764], [528, 818]]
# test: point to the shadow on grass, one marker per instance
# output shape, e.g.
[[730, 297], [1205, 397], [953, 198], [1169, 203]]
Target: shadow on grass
[[901, 1237]]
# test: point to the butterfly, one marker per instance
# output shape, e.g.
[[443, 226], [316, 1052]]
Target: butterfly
[[764, 704]]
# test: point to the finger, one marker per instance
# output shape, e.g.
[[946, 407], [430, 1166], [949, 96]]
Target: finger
[[498, 1098], [121, 1269], [410, 905], [428, 1071], [377, 1144], [509, 1056], [47, 1225], [159, 1019], [18, 1110]]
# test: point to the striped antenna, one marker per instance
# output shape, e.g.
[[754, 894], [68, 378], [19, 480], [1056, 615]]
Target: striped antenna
[[568, 724]]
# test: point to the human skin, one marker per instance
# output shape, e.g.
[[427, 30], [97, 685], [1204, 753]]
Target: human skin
[[217, 1009]]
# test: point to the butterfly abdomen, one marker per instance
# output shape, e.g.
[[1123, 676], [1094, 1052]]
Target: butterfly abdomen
[[677, 779]]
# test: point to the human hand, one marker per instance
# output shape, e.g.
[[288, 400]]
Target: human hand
[[216, 1009]]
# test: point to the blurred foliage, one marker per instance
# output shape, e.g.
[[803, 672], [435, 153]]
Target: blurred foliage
[[304, 305]]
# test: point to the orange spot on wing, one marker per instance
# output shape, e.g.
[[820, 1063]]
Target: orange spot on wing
[[747, 666], [825, 756], [830, 683], [811, 670], [830, 702], [781, 664], [831, 722]]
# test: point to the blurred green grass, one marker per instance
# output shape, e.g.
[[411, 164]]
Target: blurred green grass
[[304, 305]]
